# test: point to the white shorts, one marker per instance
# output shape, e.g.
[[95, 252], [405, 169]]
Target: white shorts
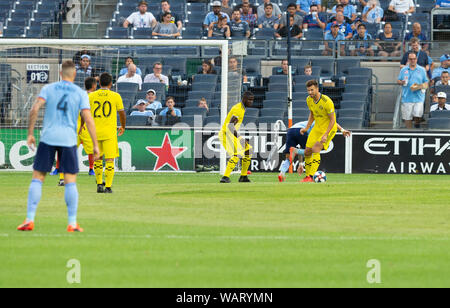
[[412, 110]]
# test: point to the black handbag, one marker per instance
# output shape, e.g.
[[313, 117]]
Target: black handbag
[[390, 16]]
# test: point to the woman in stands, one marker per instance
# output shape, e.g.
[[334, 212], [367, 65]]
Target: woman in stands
[[207, 68], [166, 28], [388, 49]]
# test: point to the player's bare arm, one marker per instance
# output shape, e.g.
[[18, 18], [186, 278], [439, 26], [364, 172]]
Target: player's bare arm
[[123, 122], [310, 122], [31, 141], [344, 132], [86, 116], [332, 117]]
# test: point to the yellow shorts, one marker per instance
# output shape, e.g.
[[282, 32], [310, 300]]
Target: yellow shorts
[[233, 145], [86, 141], [315, 136], [109, 148]]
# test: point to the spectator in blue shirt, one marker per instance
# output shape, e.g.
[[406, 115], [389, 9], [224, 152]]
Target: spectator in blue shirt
[[372, 13], [303, 6], [422, 57], [268, 20], [417, 32], [349, 10], [170, 109], [239, 28], [362, 48], [443, 3], [124, 70], [141, 110], [335, 35], [445, 66], [313, 20], [344, 27], [214, 15]]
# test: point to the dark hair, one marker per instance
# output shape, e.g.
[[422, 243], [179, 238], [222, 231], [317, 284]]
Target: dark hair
[[129, 58], [387, 23], [168, 98], [247, 94], [166, 13], [292, 5], [339, 5], [207, 62], [105, 79], [89, 83], [268, 4], [312, 5], [165, 1], [312, 83], [362, 26], [156, 63], [236, 9]]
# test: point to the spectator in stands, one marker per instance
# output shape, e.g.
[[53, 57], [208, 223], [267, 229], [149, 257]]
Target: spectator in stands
[[402, 8], [417, 32], [444, 79], [239, 28], [214, 15], [442, 103], [284, 69], [219, 29], [276, 12], [141, 110], [422, 57], [335, 35], [141, 19], [313, 20], [166, 28], [355, 26], [307, 70], [296, 32], [150, 101], [349, 10], [226, 8], [157, 76], [413, 78], [388, 49], [340, 9], [131, 76], [128, 61], [344, 27], [253, 8], [445, 66], [170, 109], [207, 68], [202, 103], [175, 18], [268, 19], [303, 6], [84, 67], [372, 13], [78, 54], [292, 9], [233, 68], [249, 17], [434, 99], [363, 48], [442, 3]]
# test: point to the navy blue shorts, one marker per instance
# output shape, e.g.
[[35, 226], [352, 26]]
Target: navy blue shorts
[[45, 157], [294, 138]]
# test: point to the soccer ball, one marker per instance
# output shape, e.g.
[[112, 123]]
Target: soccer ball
[[320, 177]]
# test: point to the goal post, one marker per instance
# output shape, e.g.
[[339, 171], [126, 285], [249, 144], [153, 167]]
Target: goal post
[[6, 45]]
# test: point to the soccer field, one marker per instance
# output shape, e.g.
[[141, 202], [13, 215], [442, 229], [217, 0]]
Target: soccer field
[[187, 230]]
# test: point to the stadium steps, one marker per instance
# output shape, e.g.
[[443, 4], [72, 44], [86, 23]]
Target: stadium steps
[[102, 12]]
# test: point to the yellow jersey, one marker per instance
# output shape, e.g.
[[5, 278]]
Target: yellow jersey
[[104, 106], [237, 111], [321, 110]]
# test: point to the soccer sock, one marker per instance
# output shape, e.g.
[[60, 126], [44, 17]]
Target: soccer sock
[[57, 162], [315, 163], [98, 168], [231, 165], [61, 176], [71, 197], [246, 160], [285, 166], [34, 196], [91, 161], [300, 152], [308, 162], [109, 173]]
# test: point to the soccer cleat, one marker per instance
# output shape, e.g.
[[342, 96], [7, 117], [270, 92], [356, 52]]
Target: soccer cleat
[[292, 152], [281, 178], [91, 172], [77, 228], [61, 183], [100, 188], [307, 179], [108, 190], [225, 179], [26, 226], [244, 179], [55, 172]]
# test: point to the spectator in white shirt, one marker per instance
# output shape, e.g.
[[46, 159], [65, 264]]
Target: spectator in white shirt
[[157, 76], [150, 101], [141, 19], [131, 76], [402, 7], [441, 105], [142, 111]]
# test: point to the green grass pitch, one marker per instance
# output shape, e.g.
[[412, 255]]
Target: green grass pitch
[[187, 230]]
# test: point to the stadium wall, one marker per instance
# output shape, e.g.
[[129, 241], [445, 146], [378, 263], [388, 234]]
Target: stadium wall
[[178, 150]]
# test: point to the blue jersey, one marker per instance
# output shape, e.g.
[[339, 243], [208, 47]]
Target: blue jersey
[[303, 124], [418, 76], [63, 101]]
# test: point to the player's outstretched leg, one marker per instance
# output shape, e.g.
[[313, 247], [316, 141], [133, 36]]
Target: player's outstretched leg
[[98, 168], [315, 163], [283, 169], [109, 176], [71, 198], [230, 167], [246, 160], [34, 196], [308, 166], [91, 164]]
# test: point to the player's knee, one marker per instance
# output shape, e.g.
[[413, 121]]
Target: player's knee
[[308, 152]]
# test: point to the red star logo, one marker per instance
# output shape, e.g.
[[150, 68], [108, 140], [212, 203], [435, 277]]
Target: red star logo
[[167, 154]]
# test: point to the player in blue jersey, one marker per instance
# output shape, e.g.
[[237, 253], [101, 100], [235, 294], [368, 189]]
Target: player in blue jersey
[[63, 102], [295, 139]]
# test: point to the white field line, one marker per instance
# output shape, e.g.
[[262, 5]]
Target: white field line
[[230, 237]]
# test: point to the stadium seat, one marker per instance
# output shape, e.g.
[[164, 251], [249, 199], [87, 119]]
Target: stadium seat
[[342, 65], [439, 123], [313, 34], [350, 113], [279, 79], [280, 96], [252, 112], [272, 112], [278, 87], [192, 33], [127, 86], [160, 89], [200, 94], [440, 114], [203, 86], [301, 80], [360, 105], [141, 33], [137, 121], [360, 71], [445, 89], [356, 88], [117, 33], [264, 34], [194, 110], [212, 122], [269, 120], [210, 78], [357, 80], [214, 112], [351, 123], [299, 64], [273, 103], [250, 121], [354, 96], [326, 65], [191, 120]]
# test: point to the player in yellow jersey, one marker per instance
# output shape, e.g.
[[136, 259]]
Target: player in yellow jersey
[[235, 145], [90, 84], [105, 104], [321, 109]]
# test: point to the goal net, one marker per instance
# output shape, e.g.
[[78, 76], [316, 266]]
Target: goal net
[[27, 65]]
